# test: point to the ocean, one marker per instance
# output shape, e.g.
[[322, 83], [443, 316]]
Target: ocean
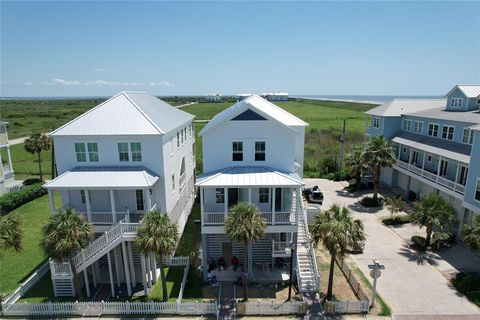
[[380, 99]]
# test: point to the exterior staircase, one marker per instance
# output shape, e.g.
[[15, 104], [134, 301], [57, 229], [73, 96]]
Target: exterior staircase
[[307, 272]]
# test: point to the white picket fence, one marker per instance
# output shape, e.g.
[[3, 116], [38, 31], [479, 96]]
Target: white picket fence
[[347, 306], [271, 308], [27, 284], [108, 308]]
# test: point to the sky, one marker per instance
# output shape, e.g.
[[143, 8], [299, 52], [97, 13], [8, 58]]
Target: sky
[[181, 48]]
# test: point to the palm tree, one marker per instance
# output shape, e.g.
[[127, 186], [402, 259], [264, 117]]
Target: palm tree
[[63, 235], [395, 205], [159, 235], [378, 154], [433, 212], [337, 231], [36, 144], [245, 224], [354, 164], [10, 233], [471, 234]]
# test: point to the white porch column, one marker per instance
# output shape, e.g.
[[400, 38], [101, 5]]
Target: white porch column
[[201, 206], [149, 271], [127, 271], [110, 273], [117, 265], [225, 202], [144, 274], [249, 195], [439, 166], [112, 206], [9, 156], [153, 266], [399, 151], [88, 204], [52, 201], [87, 286], [132, 268], [410, 157], [458, 170], [423, 161], [149, 199], [273, 205], [68, 197]]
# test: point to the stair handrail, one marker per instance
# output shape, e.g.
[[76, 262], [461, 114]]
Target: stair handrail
[[309, 248]]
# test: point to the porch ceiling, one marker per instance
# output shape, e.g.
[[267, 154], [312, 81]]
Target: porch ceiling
[[104, 178], [248, 177], [453, 150]]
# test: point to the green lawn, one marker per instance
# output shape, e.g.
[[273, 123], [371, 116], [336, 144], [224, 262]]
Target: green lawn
[[174, 277], [16, 267], [25, 165], [42, 291]]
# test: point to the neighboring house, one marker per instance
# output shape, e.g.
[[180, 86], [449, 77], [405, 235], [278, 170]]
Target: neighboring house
[[437, 144], [215, 97], [253, 152], [131, 154], [7, 176], [275, 96]]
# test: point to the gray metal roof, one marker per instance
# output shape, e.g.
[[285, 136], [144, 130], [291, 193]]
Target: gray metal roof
[[248, 177], [127, 113], [398, 107], [442, 114], [469, 90], [104, 178], [257, 104], [444, 148]]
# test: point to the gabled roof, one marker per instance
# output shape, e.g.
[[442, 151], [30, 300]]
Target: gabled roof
[[248, 176], [104, 177], [398, 107], [257, 104], [469, 90], [127, 113]]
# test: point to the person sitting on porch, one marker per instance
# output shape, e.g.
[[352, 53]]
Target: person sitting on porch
[[211, 264], [221, 264], [234, 263], [279, 263], [212, 279]]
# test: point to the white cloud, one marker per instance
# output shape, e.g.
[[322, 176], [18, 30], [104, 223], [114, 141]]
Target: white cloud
[[162, 84], [100, 82], [67, 82], [101, 69], [28, 83]]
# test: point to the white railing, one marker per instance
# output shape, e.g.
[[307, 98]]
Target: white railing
[[186, 192], [446, 182], [184, 282], [108, 308], [280, 248], [460, 188], [176, 261], [267, 216], [26, 285], [104, 217], [429, 175], [287, 217], [346, 306], [271, 308], [402, 164], [60, 268], [416, 170], [213, 217]]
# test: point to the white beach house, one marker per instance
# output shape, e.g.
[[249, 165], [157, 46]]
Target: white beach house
[[130, 154], [7, 176], [253, 152]]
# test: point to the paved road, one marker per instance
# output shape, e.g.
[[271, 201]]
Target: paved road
[[411, 286]]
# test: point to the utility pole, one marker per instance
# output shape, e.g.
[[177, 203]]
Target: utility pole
[[342, 141], [375, 274]]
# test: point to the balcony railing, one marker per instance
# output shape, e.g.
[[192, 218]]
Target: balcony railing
[[277, 218], [280, 248], [441, 180]]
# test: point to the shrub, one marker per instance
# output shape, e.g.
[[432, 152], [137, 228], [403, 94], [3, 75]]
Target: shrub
[[15, 199], [341, 176], [369, 202], [328, 165], [442, 240], [419, 242], [397, 220], [466, 282], [31, 181]]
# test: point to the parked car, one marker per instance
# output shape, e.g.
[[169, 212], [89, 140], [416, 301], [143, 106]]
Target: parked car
[[313, 195]]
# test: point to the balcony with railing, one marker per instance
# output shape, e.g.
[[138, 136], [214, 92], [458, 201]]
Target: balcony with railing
[[281, 248]]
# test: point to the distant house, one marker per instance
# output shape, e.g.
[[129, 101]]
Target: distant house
[[275, 96], [131, 154], [241, 96], [216, 97], [437, 145], [7, 176], [253, 152]]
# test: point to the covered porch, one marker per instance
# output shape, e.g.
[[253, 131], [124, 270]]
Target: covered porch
[[105, 196]]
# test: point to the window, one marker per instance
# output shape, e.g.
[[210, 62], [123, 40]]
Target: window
[[462, 179], [173, 183], [139, 196], [123, 151], [407, 125], [404, 149], [447, 132], [418, 127], [376, 122], [80, 152], [263, 195], [92, 152], [182, 173], [468, 136], [237, 148], [433, 129], [443, 167], [220, 195], [178, 139], [136, 149], [429, 158], [477, 190], [82, 195], [456, 102], [260, 151]]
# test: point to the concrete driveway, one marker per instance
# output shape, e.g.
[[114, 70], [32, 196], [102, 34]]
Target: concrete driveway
[[411, 286]]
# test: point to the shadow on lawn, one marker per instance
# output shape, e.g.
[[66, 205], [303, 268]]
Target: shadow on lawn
[[33, 270]]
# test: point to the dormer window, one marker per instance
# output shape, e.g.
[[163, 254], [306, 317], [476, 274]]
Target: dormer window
[[237, 151], [456, 102], [407, 125], [418, 127], [447, 132], [467, 136]]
